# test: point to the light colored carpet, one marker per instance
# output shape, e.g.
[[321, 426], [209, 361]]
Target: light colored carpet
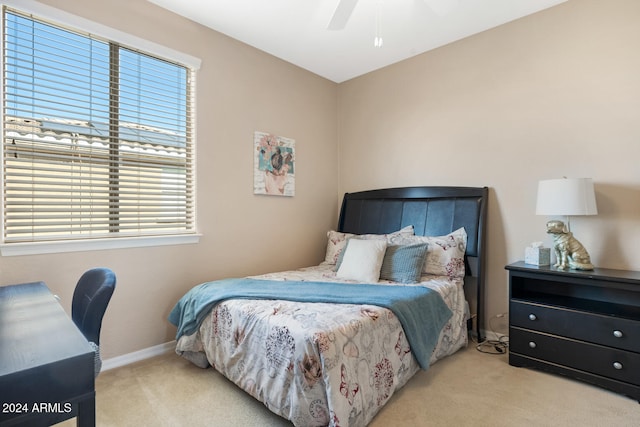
[[467, 389]]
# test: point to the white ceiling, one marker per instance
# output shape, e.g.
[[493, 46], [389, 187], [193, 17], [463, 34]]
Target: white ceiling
[[296, 30]]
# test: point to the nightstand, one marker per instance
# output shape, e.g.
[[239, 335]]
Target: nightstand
[[582, 324]]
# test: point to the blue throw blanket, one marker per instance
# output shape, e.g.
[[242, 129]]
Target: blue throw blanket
[[421, 311]]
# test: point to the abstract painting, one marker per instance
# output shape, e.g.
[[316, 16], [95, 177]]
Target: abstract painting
[[274, 171]]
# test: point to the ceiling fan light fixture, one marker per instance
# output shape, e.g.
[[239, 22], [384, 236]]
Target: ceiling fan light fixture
[[377, 40]]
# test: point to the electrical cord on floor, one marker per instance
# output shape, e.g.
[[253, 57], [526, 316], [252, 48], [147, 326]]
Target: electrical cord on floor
[[499, 346]]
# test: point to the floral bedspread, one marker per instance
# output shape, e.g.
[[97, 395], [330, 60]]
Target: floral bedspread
[[318, 364]]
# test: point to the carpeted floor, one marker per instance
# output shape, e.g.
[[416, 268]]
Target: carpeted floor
[[467, 389]]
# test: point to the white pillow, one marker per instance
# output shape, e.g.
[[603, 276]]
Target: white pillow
[[362, 260], [337, 240]]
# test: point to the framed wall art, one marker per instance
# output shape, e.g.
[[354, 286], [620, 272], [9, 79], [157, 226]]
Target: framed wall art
[[274, 170]]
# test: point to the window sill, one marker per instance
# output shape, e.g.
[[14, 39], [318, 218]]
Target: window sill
[[16, 249]]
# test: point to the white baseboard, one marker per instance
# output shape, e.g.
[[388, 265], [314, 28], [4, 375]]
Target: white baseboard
[[160, 349], [137, 356]]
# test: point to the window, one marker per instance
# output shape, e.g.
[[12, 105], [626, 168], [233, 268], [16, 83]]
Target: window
[[97, 137]]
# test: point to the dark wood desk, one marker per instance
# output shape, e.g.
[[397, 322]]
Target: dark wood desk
[[46, 364]]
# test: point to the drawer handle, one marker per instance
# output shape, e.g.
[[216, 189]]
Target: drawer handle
[[533, 317], [617, 334], [617, 365], [533, 345]]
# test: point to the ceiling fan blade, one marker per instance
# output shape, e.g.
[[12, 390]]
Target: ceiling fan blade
[[442, 7], [342, 14]]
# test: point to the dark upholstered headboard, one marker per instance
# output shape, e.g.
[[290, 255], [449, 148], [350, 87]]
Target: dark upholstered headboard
[[433, 211]]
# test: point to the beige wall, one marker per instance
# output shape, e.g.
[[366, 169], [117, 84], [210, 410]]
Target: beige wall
[[239, 90], [553, 94], [550, 95]]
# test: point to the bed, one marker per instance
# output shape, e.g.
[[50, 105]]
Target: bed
[[330, 344]]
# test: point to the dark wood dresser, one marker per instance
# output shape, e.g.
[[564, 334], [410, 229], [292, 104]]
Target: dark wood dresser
[[583, 324]]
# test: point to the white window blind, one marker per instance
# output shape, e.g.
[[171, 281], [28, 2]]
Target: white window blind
[[97, 137]]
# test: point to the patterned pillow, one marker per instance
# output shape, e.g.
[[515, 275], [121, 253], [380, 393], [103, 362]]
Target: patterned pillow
[[403, 264], [337, 240], [445, 255], [362, 260]]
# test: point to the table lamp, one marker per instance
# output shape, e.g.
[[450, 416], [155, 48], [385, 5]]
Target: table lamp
[[567, 197]]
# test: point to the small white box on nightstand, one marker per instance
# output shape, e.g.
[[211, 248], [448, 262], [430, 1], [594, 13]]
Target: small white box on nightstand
[[537, 256]]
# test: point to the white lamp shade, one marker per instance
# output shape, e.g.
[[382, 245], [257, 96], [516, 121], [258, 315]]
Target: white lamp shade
[[566, 196]]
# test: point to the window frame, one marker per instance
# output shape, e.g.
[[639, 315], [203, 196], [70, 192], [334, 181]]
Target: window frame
[[64, 19]]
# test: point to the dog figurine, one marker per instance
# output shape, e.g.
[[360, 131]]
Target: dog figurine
[[569, 251]]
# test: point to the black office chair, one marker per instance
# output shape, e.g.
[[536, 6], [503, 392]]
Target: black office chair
[[90, 300]]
